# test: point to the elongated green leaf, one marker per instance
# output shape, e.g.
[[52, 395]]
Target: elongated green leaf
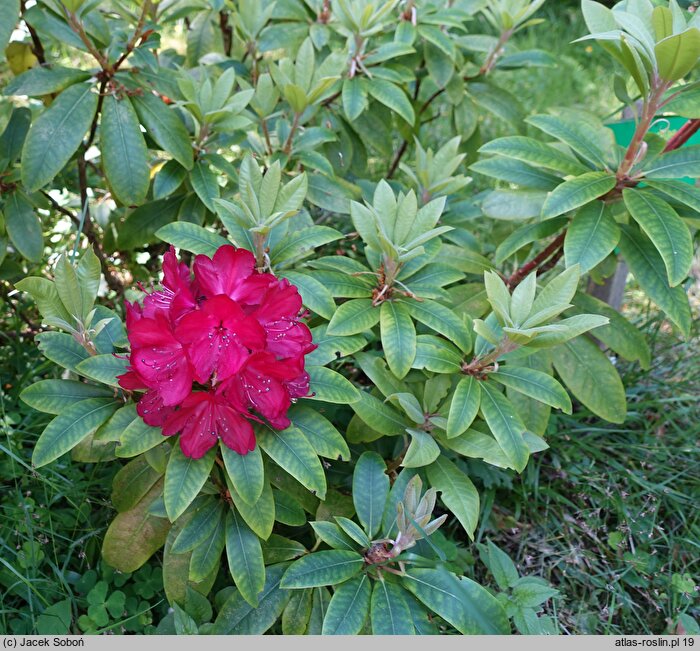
[[331, 534], [329, 386], [577, 192], [302, 243], [620, 335], [437, 355], [12, 138], [535, 384], [206, 556], [260, 516], [591, 377], [67, 430], [205, 184], [529, 150], [505, 425], [23, 226], [398, 337], [166, 128], [665, 229], [515, 171], [392, 97], [471, 609], [246, 472], [191, 237], [297, 613], [457, 492], [390, 612], [675, 164], [527, 234], [647, 266], [320, 432], [237, 617], [184, 478], [53, 396], [349, 607], [442, 320], [370, 489], [41, 80], [131, 483], [513, 205], [464, 406], [592, 235], [293, 452], [314, 293], [572, 134], [422, 450], [9, 14], [684, 193], [137, 438], [354, 98], [354, 317], [677, 54], [56, 134], [245, 559], [124, 153], [379, 416], [199, 528], [139, 227], [103, 368], [61, 348], [322, 568]]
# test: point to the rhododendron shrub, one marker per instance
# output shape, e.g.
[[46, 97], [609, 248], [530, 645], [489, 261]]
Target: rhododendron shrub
[[217, 349], [350, 338]]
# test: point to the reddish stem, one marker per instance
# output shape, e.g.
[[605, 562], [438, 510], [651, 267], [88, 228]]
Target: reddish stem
[[685, 133], [520, 274]]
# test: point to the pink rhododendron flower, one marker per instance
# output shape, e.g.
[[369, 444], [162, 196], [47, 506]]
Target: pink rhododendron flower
[[216, 350]]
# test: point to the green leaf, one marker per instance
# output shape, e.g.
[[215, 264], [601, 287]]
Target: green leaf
[[191, 237], [61, 348], [573, 134], [684, 193], [436, 355], [296, 615], [205, 184], [529, 150], [13, 136], [513, 205], [527, 234], [392, 97], [42, 80], [505, 425], [56, 134], [245, 559], [24, 226], [260, 516], [349, 607], [370, 489], [288, 510], [206, 556], [131, 483], [138, 228], [135, 535], [676, 55], [52, 396], [278, 548], [442, 320], [199, 528], [354, 317], [665, 229], [423, 449], [322, 568], [591, 377], [103, 368], [302, 243], [329, 386], [675, 164], [471, 609], [535, 384], [577, 192], [9, 14], [464, 406], [620, 335], [293, 452], [515, 171], [379, 416], [184, 478], [592, 235], [354, 98], [75, 423], [647, 266], [398, 337], [168, 179], [457, 492], [496, 100], [237, 617], [137, 438], [124, 153], [320, 432], [390, 612], [246, 472], [314, 294], [165, 127]]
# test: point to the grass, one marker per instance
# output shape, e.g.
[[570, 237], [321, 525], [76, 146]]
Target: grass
[[609, 513]]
